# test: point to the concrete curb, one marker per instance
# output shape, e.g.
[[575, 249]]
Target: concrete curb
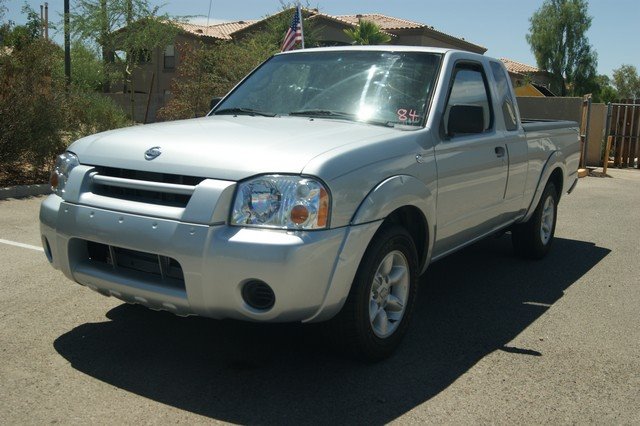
[[21, 191]]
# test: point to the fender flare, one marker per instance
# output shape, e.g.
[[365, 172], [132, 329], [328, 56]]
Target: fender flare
[[396, 192], [553, 163]]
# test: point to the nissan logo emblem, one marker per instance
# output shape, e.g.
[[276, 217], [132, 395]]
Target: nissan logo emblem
[[152, 153]]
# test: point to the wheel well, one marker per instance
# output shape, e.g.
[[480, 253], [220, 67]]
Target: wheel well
[[412, 219], [556, 178]]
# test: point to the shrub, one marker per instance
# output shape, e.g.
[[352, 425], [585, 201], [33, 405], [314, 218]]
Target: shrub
[[92, 112], [32, 104], [38, 118]]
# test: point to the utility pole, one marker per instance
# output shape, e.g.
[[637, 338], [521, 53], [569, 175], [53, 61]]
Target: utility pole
[[105, 46], [131, 62], [46, 21], [67, 44]]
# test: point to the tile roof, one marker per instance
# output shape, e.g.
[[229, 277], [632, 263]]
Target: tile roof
[[390, 23], [387, 24], [519, 67], [220, 31], [383, 21]]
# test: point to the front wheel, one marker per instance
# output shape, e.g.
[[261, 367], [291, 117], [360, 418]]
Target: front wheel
[[533, 238], [379, 306]]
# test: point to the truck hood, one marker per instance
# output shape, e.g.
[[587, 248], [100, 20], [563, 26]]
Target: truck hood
[[224, 147]]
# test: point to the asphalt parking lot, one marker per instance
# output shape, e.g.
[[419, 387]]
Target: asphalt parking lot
[[494, 340]]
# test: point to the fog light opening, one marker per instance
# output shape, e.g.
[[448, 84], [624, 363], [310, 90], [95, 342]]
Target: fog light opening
[[258, 295], [47, 249]]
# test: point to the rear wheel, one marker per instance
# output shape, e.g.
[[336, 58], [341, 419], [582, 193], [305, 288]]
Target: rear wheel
[[533, 238], [379, 306]]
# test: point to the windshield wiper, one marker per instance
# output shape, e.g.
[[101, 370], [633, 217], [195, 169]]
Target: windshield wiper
[[323, 113], [340, 114], [243, 111]]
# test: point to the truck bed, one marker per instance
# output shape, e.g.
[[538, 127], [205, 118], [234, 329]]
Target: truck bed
[[538, 125]]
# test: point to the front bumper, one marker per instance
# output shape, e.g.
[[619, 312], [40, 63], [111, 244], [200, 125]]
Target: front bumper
[[309, 272]]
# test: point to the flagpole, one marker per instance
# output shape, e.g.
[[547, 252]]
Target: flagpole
[[301, 26]]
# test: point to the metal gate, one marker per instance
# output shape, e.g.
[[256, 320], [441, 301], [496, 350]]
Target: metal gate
[[623, 130]]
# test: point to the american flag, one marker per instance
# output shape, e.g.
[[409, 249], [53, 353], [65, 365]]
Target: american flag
[[294, 33]]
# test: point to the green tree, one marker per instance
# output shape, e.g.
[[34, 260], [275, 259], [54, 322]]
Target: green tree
[[627, 82], [367, 32], [88, 71], [606, 92], [22, 35], [557, 36], [129, 26]]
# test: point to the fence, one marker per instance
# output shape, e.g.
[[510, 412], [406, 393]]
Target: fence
[[623, 131], [610, 133]]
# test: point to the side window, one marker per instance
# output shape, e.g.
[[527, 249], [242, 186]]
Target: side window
[[469, 87], [504, 96]]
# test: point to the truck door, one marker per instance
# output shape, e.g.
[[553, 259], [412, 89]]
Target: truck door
[[472, 167], [514, 138]]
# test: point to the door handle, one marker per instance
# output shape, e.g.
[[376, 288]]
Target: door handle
[[500, 151]]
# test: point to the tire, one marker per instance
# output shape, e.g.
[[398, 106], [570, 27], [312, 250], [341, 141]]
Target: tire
[[533, 239], [380, 304]]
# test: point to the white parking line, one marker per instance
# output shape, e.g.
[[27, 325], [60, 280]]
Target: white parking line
[[27, 246]]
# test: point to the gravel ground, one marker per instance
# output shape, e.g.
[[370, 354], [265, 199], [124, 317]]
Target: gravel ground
[[494, 340]]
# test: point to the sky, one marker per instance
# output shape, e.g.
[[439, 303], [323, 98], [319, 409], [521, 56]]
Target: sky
[[498, 25]]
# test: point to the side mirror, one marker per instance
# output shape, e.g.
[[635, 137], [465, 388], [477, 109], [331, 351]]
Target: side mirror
[[214, 102], [465, 119]]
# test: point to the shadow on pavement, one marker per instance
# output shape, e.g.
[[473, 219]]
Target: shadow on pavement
[[470, 304]]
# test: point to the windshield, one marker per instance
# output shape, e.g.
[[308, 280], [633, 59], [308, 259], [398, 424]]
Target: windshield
[[389, 88]]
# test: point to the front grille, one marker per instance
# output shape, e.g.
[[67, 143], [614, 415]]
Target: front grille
[[142, 196], [148, 176], [146, 187], [162, 270]]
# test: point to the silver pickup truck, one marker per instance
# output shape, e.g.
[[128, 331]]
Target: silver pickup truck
[[319, 189]]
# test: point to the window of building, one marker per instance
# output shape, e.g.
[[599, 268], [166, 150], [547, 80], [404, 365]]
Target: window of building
[[170, 57]]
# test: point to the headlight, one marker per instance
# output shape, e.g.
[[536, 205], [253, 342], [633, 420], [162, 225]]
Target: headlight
[[64, 164], [285, 202]]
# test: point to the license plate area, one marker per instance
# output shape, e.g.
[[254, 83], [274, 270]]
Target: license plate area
[[161, 269]]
